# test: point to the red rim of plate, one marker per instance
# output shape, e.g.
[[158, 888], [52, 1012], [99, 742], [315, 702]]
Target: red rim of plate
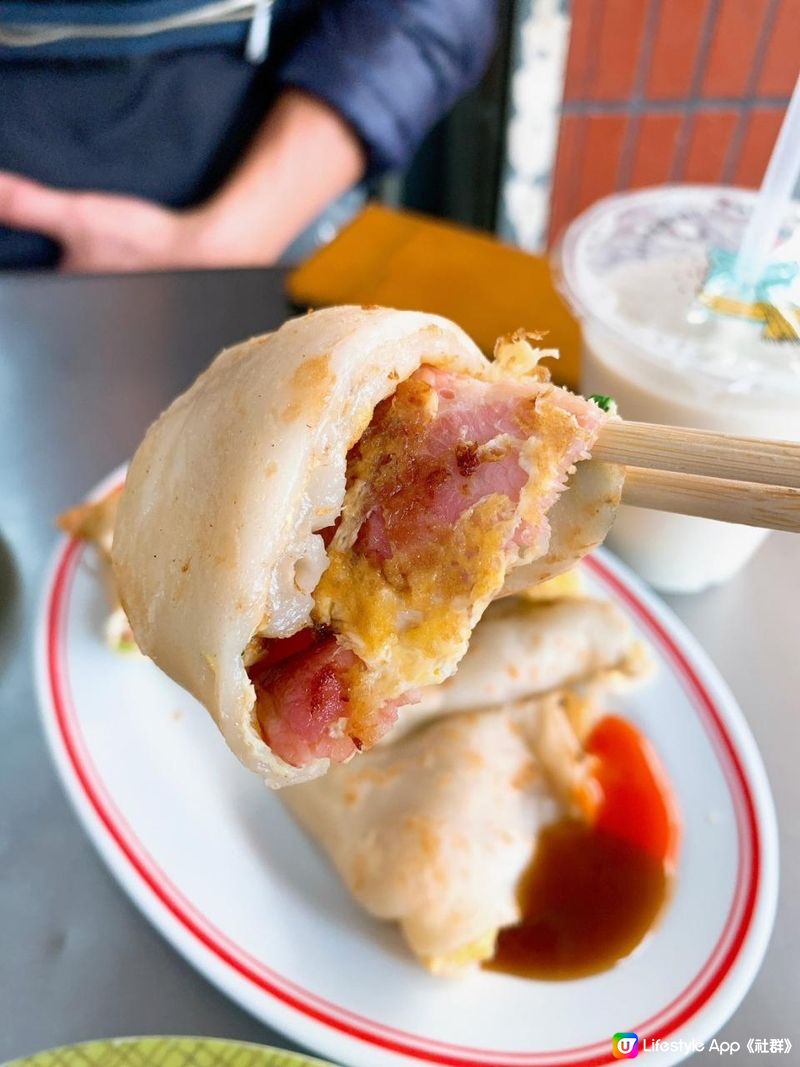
[[661, 1026]]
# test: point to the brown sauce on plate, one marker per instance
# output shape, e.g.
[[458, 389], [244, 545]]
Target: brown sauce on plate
[[594, 888], [587, 899]]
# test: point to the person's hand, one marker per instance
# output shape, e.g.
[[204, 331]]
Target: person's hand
[[303, 156], [102, 232]]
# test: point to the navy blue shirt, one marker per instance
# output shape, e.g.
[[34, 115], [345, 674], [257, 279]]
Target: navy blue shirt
[[167, 116]]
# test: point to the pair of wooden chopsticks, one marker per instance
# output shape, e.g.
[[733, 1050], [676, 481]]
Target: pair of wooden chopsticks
[[748, 480]]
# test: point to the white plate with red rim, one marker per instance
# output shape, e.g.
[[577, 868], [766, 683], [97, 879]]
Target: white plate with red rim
[[216, 864]]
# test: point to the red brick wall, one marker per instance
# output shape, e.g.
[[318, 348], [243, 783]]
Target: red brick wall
[[671, 90]]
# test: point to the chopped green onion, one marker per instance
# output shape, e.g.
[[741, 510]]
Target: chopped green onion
[[607, 403]]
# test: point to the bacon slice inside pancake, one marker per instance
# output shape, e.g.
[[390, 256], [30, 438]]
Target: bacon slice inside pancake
[[304, 684], [448, 488], [304, 696]]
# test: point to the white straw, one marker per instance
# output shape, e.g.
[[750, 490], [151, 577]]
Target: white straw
[[773, 198]]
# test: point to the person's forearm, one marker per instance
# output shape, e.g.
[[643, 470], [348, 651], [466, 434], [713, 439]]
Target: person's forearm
[[302, 157]]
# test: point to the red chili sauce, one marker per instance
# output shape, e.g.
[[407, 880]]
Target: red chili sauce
[[595, 887]]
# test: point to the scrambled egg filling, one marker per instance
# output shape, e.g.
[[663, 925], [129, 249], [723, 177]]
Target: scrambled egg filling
[[411, 625], [455, 962], [564, 585], [408, 612]]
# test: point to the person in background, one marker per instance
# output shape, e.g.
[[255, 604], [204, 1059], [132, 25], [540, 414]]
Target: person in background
[[157, 134]]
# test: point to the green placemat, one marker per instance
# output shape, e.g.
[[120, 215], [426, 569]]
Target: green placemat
[[166, 1052]]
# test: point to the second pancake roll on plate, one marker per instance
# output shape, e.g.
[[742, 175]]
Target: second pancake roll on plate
[[436, 827], [308, 536]]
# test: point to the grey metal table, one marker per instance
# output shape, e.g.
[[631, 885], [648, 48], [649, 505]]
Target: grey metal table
[[85, 364]]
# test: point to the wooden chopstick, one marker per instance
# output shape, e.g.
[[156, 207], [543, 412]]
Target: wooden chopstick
[[701, 452], [772, 507]]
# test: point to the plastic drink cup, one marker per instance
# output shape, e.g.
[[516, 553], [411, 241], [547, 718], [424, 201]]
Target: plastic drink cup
[[631, 268]]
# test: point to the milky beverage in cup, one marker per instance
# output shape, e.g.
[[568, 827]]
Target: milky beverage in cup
[[631, 268]]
